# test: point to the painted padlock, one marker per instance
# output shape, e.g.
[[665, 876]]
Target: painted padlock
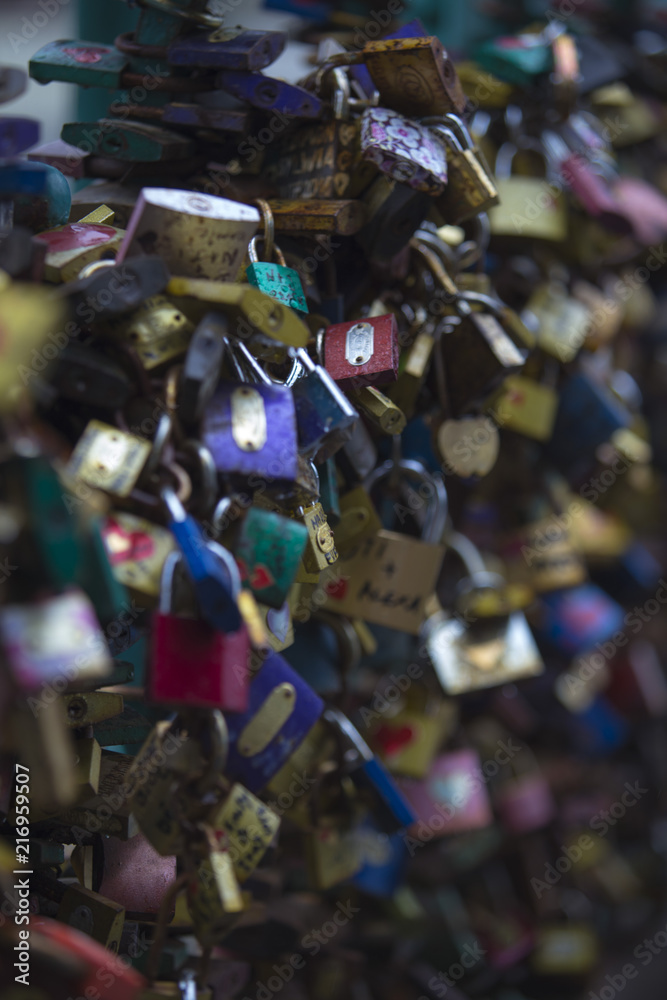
[[362, 352], [251, 429], [404, 150], [324, 414], [275, 279], [268, 549], [220, 680], [452, 799], [282, 709]]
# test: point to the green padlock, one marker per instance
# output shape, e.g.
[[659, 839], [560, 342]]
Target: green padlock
[[277, 280], [268, 549]]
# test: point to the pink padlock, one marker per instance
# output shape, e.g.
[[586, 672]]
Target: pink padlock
[[453, 798], [192, 663]]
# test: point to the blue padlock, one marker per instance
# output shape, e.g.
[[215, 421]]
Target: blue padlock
[[270, 94], [367, 772], [588, 415], [17, 134], [282, 710], [227, 48], [324, 415], [574, 620], [212, 568], [385, 861], [40, 194]]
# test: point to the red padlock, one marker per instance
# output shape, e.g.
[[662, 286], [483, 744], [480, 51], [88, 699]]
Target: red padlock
[[362, 352], [191, 662]]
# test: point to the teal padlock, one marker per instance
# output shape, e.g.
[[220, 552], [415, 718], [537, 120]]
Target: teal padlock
[[268, 549], [276, 279]]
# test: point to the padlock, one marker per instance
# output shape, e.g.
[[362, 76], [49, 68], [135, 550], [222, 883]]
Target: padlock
[[159, 786], [73, 246], [250, 427], [128, 141], [332, 856], [553, 560], [524, 801], [268, 549], [388, 578], [108, 459], [362, 352], [113, 290], [255, 315], [561, 322], [157, 330], [211, 567], [590, 188], [137, 550], [282, 710], [395, 211], [17, 135], [414, 76], [574, 620], [404, 150], [530, 207], [471, 188], [34, 195], [87, 376], [408, 741], [135, 876], [486, 641], [197, 235], [220, 680], [588, 415], [93, 914], [277, 280], [526, 406], [201, 368], [324, 415], [270, 94], [320, 551], [89, 64], [317, 216], [494, 356], [53, 638], [450, 799], [519, 59], [228, 48]]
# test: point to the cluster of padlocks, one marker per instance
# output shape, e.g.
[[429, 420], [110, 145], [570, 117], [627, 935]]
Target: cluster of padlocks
[[330, 511]]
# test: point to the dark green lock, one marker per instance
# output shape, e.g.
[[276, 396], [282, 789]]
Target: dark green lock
[[268, 549]]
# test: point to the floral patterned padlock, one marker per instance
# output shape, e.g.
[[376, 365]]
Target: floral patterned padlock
[[404, 150]]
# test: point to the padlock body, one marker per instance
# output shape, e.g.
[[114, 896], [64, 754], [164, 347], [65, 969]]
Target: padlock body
[[362, 352], [193, 664], [268, 550], [281, 283], [404, 150], [282, 709], [252, 429]]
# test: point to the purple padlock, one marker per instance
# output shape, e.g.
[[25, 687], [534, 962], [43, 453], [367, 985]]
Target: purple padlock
[[404, 150], [251, 430], [282, 710]]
